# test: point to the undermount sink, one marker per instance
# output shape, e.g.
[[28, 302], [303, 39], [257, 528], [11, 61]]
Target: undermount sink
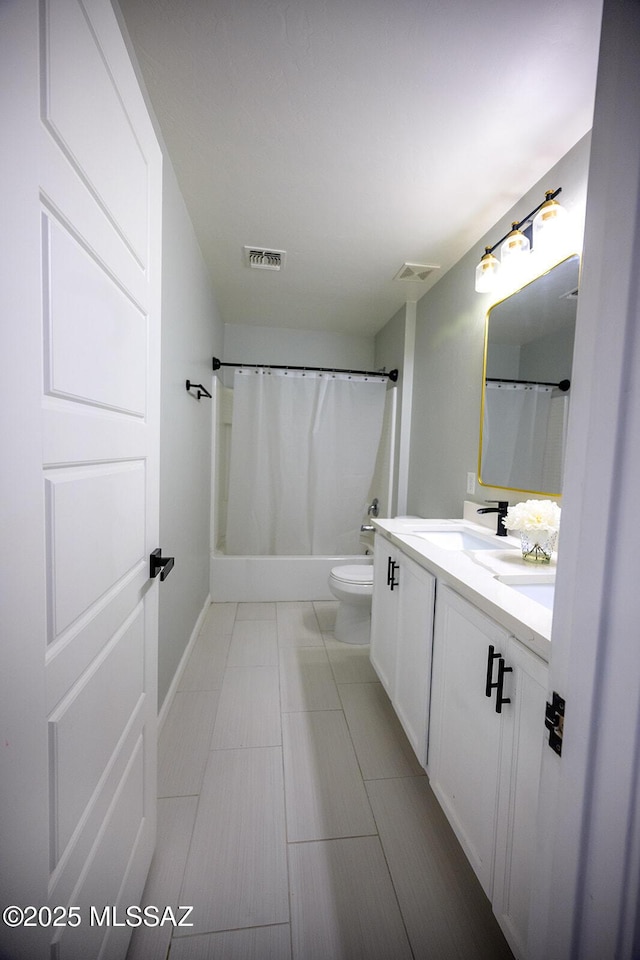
[[460, 539], [539, 588]]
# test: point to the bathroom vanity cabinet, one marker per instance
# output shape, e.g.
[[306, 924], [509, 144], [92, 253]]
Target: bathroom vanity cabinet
[[402, 638], [485, 751], [471, 697]]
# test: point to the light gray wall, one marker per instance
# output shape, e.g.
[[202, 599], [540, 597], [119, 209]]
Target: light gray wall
[[449, 351], [191, 334]]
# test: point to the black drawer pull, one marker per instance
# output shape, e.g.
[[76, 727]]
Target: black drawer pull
[[490, 685], [499, 685]]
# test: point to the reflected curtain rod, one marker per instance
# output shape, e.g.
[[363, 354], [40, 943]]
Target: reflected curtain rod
[[563, 385], [392, 374]]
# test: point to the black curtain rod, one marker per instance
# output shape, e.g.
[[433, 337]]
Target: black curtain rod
[[392, 374], [563, 385]]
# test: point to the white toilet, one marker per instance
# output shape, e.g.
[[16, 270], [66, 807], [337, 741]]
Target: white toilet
[[352, 585]]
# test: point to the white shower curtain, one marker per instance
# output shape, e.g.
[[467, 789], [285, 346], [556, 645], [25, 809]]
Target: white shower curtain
[[514, 434], [303, 449]]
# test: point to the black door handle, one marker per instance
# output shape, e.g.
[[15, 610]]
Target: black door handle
[[160, 565]]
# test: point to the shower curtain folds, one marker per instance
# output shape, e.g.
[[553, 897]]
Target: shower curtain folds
[[522, 435], [303, 449]]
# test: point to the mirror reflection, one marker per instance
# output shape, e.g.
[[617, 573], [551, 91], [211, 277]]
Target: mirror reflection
[[527, 369]]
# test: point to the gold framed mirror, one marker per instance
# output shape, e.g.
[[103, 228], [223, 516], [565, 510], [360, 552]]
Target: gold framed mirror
[[528, 355]]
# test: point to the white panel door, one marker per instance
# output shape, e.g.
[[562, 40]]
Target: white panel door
[[81, 199]]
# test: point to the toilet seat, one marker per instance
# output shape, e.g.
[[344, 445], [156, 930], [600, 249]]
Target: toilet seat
[[359, 573]]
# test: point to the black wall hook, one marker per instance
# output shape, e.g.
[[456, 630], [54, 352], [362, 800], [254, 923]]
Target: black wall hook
[[202, 391]]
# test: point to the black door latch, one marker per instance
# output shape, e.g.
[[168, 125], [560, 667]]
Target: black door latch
[[160, 565], [554, 722]]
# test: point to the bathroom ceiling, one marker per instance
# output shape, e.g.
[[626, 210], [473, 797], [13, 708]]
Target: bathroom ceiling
[[357, 136]]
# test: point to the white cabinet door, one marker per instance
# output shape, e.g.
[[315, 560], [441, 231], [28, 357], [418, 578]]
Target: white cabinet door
[[523, 744], [80, 246], [465, 729], [384, 612], [414, 644]]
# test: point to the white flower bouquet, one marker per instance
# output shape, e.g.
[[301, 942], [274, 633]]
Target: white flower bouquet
[[538, 522], [533, 515]]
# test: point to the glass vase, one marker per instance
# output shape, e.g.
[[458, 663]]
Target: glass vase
[[537, 545]]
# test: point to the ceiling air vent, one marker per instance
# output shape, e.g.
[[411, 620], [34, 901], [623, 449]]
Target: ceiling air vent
[[263, 259], [416, 272]]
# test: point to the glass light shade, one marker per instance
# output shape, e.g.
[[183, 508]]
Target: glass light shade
[[549, 223], [487, 272], [515, 245]]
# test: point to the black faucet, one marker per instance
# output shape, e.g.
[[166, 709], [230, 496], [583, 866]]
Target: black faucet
[[501, 510]]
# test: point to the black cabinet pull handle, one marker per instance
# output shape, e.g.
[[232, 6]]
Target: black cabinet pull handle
[[499, 685], [160, 565], [490, 685], [391, 573]]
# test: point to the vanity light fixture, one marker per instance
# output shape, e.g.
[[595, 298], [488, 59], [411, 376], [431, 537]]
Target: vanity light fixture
[[516, 245], [547, 222], [487, 271], [536, 227]]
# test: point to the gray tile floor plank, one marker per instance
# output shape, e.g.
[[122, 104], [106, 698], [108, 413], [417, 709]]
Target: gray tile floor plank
[[249, 709], [298, 624], [349, 661], [256, 943], [306, 680], [256, 611], [254, 643], [220, 619], [325, 611], [343, 906], [445, 910], [236, 872], [324, 788], [184, 742], [380, 742], [205, 667], [176, 816]]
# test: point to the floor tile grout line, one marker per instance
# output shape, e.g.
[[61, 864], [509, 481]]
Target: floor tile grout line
[[391, 880], [350, 836]]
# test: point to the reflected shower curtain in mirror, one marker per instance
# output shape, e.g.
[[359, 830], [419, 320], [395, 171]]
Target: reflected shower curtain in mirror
[[303, 449], [518, 447]]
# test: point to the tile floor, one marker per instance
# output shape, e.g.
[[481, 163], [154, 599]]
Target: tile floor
[[293, 815]]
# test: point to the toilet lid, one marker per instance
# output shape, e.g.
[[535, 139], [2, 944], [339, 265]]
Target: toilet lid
[[354, 573]]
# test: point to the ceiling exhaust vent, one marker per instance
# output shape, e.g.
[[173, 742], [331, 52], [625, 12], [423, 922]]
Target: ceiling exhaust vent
[[416, 272], [263, 259]]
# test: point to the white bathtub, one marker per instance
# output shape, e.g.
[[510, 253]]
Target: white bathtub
[[256, 579]]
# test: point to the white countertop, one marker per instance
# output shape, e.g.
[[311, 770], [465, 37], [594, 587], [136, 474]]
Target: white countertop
[[472, 574]]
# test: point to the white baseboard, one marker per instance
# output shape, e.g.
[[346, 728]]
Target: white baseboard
[[168, 700]]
